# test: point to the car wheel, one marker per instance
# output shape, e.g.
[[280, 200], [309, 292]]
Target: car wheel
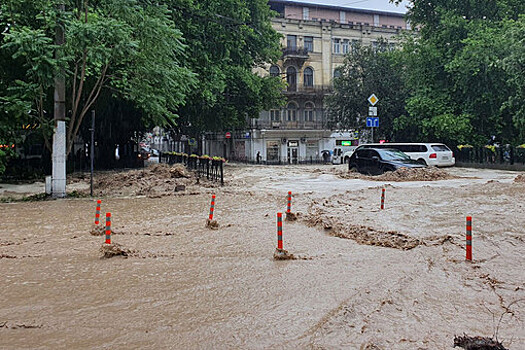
[[353, 168], [422, 161]]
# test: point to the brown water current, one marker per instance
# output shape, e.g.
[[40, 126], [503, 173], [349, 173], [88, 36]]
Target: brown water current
[[185, 286]]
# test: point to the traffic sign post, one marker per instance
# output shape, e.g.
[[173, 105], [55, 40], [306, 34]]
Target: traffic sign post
[[373, 120]]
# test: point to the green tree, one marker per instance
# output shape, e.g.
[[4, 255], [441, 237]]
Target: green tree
[[367, 70], [226, 39], [461, 70], [131, 48]]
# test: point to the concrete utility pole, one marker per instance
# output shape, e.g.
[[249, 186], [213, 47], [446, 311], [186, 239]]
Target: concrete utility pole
[[58, 175]]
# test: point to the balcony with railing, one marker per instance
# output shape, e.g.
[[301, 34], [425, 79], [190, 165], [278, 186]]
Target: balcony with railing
[[295, 55], [293, 89], [295, 52], [288, 125]]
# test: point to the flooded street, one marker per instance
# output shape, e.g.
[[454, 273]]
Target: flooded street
[[364, 278]]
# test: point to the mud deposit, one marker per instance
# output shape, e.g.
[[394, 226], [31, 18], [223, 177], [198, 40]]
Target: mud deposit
[[114, 249], [403, 174], [157, 180], [361, 278]]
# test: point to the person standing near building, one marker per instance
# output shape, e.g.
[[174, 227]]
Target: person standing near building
[[258, 157]]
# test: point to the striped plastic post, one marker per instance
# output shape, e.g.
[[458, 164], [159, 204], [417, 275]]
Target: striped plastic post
[[212, 206], [288, 210], [108, 228], [280, 231], [469, 238], [383, 198], [97, 213]]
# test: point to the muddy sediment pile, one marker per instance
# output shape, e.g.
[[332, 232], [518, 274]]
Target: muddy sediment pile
[[154, 181], [402, 174], [520, 178], [415, 174], [114, 249], [364, 235]]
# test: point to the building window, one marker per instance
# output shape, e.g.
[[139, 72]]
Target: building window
[[306, 13], [355, 43], [272, 150], [375, 45], [291, 41], [291, 78], [308, 77], [338, 72], [408, 26], [342, 17], [275, 115], [345, 47], [337, 48], [376, 20], [291, 112], [309, 43], [309, 112], [275, 71]]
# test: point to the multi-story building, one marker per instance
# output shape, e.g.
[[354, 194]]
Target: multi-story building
[[315, 39]]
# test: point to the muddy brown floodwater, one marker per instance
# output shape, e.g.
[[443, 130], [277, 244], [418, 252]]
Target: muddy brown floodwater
[[362, 278]]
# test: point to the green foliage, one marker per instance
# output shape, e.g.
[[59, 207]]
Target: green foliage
[[462, 71], [131, 47], [226, 39], [366, 71]]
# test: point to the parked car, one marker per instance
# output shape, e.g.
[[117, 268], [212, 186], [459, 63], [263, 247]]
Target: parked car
[[144, 154], [376, 161], [432, 154]]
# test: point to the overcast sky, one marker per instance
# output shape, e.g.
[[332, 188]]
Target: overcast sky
[[382, 5]]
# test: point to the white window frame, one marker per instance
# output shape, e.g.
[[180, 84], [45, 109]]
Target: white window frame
[[376, 20], [308, 114], [337, 46], [275, 115], [306, 13], [342, 16], [304, 77], [345, 47]]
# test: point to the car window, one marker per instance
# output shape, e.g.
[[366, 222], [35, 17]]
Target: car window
[[365, 153], [393, 154], [440, 148]]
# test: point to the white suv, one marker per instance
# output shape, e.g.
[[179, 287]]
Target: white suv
[[432, 154]]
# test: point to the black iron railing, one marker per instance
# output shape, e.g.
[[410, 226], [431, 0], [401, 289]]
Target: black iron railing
[[211, 168], [491, 156]]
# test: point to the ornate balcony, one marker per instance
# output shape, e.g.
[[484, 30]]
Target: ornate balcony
[[296, 55], [288, 125], [316, 90]]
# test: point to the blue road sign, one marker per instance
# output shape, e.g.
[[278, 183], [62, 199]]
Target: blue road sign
[[372, 122]]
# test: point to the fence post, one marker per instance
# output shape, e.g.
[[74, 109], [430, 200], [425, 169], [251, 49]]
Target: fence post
[[222, 173]]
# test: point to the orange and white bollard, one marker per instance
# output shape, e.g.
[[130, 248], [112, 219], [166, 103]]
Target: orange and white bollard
[[383, 198], [469, 238], [289, 208], [212, 207], [280, 231], [108, 228], [97, 212]]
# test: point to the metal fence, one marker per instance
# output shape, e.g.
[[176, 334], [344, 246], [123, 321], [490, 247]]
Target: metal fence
[[212, 169], [491, 157]]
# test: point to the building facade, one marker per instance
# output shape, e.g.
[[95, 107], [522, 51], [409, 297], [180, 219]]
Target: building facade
[[315, 40]]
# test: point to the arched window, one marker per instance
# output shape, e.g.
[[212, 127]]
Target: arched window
[[308, 77], [291, 112], [291, 78], [309, 109], [275, 71]]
